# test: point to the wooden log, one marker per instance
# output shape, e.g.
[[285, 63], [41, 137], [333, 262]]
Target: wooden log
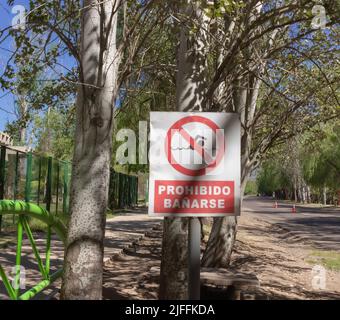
[[233, 283]]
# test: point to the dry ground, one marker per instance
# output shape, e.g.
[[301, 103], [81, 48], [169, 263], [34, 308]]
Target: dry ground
[[280, 261]]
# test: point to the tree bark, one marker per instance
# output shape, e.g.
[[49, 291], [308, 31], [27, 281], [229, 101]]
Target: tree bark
[[222, 237], [83, 263], [190, 88], [22, 110], [309, 198], [174, 264], [324, 195], [220, 243], [245, 92]]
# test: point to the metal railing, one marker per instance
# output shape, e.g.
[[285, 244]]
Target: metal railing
[[45, 181], [38, 187], [23, 210], [33, 178], [123, 191]]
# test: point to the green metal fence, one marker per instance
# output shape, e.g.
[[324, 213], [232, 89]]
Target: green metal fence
[[46, 182], [33, 178], [123, 190], [38, 187], [24, 210]]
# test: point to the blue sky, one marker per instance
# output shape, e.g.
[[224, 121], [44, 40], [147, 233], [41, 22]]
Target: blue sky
[[6, 100]]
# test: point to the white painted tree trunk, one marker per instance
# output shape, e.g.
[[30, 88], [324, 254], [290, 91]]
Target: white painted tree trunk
[[83, 265], [324, 195], [304, 193], [309, 195], [22, 110]]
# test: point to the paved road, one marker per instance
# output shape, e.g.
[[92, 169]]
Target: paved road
[[320, 226], [120, 232]]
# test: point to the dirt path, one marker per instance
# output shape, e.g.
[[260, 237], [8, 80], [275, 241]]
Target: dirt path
[[262, 248], [279, 261], [275, 255], [126, 228], [134, 274], [121, 231]]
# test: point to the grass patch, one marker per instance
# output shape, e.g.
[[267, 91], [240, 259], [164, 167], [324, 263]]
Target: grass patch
[[10, 226], [111, 214], [328, 259], [37, 225], [9, 223]]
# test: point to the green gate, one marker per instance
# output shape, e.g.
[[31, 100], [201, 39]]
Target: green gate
[[24, 210], [39, 189], [33, 178], [123, 191]]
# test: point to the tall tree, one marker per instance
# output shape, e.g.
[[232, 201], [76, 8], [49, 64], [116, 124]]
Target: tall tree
[[92, 154], [258, 38], [190, 88], [93, 69]]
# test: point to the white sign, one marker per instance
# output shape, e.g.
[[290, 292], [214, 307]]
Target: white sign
[[194, 164]]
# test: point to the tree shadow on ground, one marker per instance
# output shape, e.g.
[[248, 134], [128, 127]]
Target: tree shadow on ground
[[130, 275], [135, 273], [29, 262], [247, 258]]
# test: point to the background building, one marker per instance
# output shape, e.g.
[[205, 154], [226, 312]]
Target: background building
[[5, 139]]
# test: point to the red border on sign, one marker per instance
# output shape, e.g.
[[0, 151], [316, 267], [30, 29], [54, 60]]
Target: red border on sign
[[228, 200], [177, 126]]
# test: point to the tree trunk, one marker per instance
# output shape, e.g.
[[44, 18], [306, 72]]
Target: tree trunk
[[324, 195], [221, 242], [174, 264], [309, 197], [190, 89], [303, 193], [245, 94], [83, 264], [22, 105], [222, 238]]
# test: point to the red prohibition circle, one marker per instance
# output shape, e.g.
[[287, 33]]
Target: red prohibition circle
[[177, 126]]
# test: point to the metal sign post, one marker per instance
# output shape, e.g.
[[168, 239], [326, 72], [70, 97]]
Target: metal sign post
[[194, 246], [195, 172]]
